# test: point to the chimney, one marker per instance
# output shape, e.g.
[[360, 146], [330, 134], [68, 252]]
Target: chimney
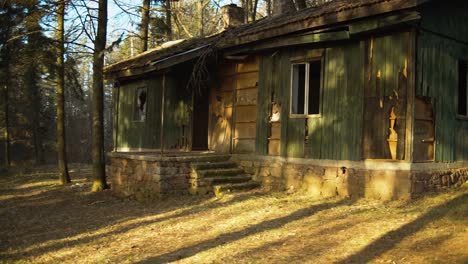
[[232, 15], [283, 6]]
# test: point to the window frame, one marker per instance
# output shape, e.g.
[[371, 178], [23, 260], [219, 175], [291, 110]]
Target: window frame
[[135, 105], [307, 63], [462, 116]]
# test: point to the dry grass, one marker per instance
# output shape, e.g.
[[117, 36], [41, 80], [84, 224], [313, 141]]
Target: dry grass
[[41, 222]]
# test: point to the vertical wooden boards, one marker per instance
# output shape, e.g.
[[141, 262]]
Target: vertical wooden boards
[[423, 130], [245, 118], [233, 107], [337, 133], [437, 62], [265, 81], [176, 114], [387, 89], [133, 134], [221, 109]]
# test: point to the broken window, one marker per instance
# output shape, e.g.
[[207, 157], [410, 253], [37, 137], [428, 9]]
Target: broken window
[[306, 87], [140, 103], [462, 88]]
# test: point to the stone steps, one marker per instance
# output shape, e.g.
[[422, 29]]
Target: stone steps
[[221, 189], [219, 175], [214, 165], [220, 172], [229, 179]]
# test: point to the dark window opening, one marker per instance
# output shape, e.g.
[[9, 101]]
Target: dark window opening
[[140, 105], [462, 88], [298, 89], [315, 80], [306, 88]]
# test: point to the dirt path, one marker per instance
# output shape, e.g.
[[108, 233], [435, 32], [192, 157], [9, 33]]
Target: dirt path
[[41, 222]]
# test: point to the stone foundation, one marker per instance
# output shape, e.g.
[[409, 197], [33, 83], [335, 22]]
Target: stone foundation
[[149, 178], [383, 180]]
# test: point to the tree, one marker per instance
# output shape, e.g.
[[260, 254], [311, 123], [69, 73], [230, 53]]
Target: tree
[[60, 83], [99, 169], [34, 49], [145, 19]]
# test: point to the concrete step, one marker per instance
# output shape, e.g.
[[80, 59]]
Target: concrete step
[[221, 189], [220, 172], [214, 165], [219, 180]]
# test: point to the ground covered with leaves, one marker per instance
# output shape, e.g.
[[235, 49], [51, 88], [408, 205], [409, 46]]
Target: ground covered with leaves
[[42, 222]]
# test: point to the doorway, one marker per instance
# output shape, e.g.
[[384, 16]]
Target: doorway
[[200, 120]]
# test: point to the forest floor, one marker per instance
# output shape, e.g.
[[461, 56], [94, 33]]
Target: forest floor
[[42, 222]]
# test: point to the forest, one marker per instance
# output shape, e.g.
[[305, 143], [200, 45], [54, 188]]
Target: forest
[[60, 174], [55, 105]]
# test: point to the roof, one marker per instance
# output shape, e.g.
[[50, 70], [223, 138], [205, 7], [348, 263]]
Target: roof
[[332, 13]]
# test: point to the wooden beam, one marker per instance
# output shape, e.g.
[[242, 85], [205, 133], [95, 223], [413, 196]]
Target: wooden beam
[[329, 19], [291, 41], [379, 23], [411, 90]]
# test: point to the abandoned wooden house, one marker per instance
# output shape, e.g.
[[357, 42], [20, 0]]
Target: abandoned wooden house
[[364, 98]]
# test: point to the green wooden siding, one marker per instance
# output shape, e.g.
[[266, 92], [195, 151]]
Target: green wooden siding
[[146, 135], [437, 76], [337, 133], [385, 87]]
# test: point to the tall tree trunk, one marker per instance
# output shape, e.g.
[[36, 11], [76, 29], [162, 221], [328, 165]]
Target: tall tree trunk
[[268, 4], [254, 10], [6, 109], [64, 177], [6, 58], [144, 26], [169, 20], [99, 166], [200, 18], [32, 76], [301, 4]]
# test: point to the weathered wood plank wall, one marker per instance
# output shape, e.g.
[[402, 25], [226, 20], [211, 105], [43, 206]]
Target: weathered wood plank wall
[[146, 134], [442, 42], [338, 132]]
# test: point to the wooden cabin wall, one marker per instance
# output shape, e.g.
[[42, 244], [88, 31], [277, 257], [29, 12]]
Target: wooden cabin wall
[[350, 85], [337, 133], [146, 134], [134, 134], [233, 107], [437, 77]]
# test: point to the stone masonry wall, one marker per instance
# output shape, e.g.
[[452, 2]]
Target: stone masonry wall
[[439, 180], [148, 180], [327, 181]]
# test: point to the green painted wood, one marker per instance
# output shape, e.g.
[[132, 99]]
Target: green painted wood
[[263, 104], [438, 56], [293, 41], [382, 22], [390, 55], [146, 135]]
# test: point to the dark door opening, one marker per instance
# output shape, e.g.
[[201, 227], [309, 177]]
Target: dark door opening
[[200, 121]]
